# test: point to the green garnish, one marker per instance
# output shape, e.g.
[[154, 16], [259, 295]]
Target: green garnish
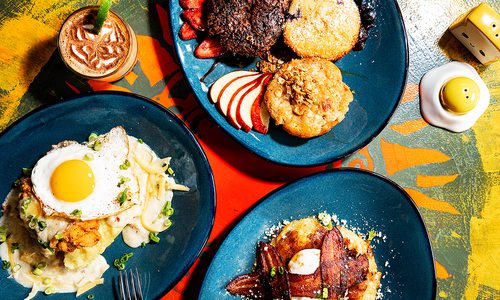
[[25, 204], [170, 171], [5, 264], [324, 295], [101, 15], [281, 270], [125, 165], [93, 136], [37, 272], [325, 220], [41, 265], [14, 247], [76, 213], [123, 180], [47, 281], [42, 225], [371, 234], [26, 171], [167, 223], [272, 273], [3, 234], [167, 209], [90, 296], [45, 245], [122, 197], [49, 290], [140, 141], [88, 157], [97, 146], [58, 236], [153, 237], [119, 263], [143, 244], [33, 222]]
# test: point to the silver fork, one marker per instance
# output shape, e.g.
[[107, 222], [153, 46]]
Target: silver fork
[[130, 285]]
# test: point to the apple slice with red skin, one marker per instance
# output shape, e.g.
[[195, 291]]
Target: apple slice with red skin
[[244, 110], [232, 88], [238, 96], [221, 84], [260, 116]]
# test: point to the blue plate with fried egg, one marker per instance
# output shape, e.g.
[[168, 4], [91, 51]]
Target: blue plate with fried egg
[[376, 75], [362, 201], [160, 263]]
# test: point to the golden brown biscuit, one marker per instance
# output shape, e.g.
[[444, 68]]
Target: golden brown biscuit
[[307, 97], [322, 28]]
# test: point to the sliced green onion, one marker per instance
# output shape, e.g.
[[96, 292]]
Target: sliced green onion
[[90, 296], [76, 213], [324, 295], [122, 197], [3, 234], [45, 245], [47, 281], [37, 272], [14, 247], [97, 146], [101, 15], [371, 234], [167, 209], [140, 141], [49, 290], [281, 270], [27, 171], [170, 171], [125, 165], [58, 236], [93, 136], [42, 225], [118, 264], [5, 264], [26, 203], [153, 237], [41, 265], [33, 222], [143, 244], [167, 223], [272, 273], [123, 180], [88, 157]]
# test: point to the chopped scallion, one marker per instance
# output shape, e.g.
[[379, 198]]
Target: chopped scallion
[[90, 296], [272, 273], [125, 165], [26, 171], [47, 281], [371, 234], [58, 236], [153, 237], [324, 295], [281, 270], [93, 136], [122, 197], [170, 171], [97, 146], [140, 141], [14, 247], [37, 272], [88, 157], [42, 225], [123, 180], [5, 264], [16, 268], [143, 244], [49, 290], [76, 213]]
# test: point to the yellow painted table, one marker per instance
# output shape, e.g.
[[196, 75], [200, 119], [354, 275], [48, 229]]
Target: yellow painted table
[[453, 178]]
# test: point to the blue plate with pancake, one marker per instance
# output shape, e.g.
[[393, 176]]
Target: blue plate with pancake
[[376, 75], [366, 201], [161, 265]]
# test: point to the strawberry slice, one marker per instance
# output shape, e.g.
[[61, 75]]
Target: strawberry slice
[[195, 18], [187, 4], [209, 48], [187, 32]]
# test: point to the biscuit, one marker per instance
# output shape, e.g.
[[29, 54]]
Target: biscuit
[[323, 28], [308, 97]]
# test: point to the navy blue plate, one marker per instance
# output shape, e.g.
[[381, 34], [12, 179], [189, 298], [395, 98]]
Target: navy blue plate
[[23, 143], [367, 201], [377, 76]]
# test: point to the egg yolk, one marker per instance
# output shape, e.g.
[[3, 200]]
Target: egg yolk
[[460, 95], [72, 181]]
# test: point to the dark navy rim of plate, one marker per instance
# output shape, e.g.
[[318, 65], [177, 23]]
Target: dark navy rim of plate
[[186, 130], [175, 14], [270, 195]]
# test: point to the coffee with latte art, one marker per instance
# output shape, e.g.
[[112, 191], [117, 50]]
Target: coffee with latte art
[[107, 56]]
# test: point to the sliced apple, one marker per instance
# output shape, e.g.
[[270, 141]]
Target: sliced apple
[[237, 97], [221, 84], [233, 87], [244, 110], [259, 115]]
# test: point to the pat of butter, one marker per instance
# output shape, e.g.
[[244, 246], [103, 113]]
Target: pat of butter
[[305, 262], [479, 31]]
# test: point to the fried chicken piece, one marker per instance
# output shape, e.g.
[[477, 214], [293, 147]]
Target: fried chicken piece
[[77, 235]]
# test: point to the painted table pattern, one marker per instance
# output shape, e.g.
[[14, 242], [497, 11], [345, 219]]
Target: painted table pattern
[[453, 178]]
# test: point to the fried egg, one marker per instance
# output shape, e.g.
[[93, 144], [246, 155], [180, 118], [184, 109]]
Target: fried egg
[[86, 181], [453, 96]]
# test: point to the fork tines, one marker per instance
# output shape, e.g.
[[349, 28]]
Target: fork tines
[[130, 285]]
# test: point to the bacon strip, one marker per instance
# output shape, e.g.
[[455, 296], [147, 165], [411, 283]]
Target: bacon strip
[[247, 285], [272, 273], [334, 264]]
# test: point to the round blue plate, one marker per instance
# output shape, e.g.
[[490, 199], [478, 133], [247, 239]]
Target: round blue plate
[[376, 75], [367, 201], [163, 264]]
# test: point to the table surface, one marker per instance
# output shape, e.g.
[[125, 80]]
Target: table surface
[[454, 178]]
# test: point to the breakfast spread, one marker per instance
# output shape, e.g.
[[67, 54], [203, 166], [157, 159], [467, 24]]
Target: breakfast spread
[[306, 95], [311, 258], [61, 216], [453, 96]]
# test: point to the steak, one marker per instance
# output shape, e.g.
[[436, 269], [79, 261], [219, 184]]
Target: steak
[[247, 28]]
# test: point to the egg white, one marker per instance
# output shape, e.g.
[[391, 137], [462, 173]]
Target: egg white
[[105, 165], [430, 88]]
